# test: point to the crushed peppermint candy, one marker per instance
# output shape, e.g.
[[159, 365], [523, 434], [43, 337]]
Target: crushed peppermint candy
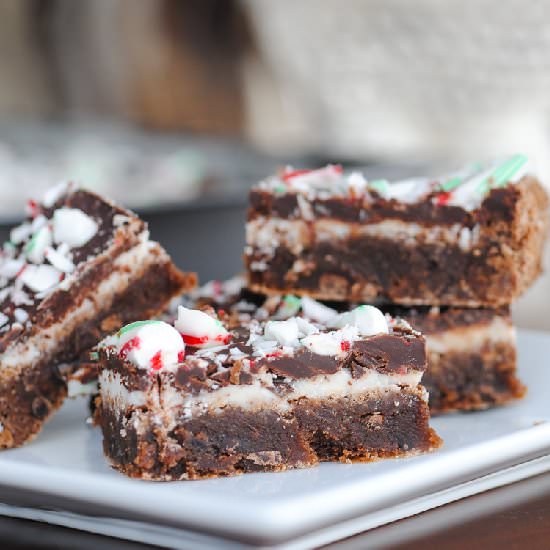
[[52, 195], [150, 345], [199, 329], [368, 320], [466, 188], [316, 310], [40, 278], [21, 316], [285, 333], [41, 240], [59, 260], [73, 227]]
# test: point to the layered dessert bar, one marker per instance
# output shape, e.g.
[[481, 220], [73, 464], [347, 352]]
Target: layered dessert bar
[[471, 351], [472, 239], [204, 398], [471, 357], [78, 268]]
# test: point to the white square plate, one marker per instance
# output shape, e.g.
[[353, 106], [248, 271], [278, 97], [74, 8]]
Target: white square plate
[[64, 471]]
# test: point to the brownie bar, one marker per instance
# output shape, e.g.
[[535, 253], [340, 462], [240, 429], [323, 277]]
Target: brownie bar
[[471, 357], [471, 352], [469, 239], [62, 274], [208, 399]]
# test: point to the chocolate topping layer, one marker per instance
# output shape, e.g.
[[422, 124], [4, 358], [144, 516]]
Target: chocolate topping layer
[[302, 365], [497, 206]]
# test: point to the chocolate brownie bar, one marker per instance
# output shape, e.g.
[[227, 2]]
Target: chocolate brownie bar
[[471, 357], [470, 239], [78, 268], [202, 399], [471, 352]]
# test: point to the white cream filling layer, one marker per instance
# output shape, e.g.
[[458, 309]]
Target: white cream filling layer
[[254, 396], [115, 392], [265, 235], [472, 338], [46, 342]]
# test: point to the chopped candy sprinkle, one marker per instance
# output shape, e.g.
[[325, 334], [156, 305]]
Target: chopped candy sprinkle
[[380, 186], [199, 329], [156, 361], [73, 226], [449, 185], [128, 346], [135, 325], [294, 173], [443, 198], [469, 185], [32, 208], [36, 247], [149, 345], [59, 261]]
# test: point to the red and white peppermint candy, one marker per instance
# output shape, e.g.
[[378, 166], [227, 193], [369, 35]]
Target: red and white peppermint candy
[[199, 329], [153, 345]]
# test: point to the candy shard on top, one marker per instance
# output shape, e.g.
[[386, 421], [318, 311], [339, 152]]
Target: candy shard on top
[[73, 227], [465, 188], [150, 345], [199, 329], [285, 333], [368, 320], [52, 195], [316, 311]]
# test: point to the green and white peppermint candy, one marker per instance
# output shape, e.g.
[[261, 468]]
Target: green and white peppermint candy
[[473, 190]]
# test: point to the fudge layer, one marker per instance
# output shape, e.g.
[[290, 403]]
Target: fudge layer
[[471, 351], [473, 238], [78, 268], [200, 399]]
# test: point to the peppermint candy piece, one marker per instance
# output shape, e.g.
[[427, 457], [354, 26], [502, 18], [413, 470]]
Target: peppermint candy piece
[[199, 329], [323, 344], [53, 194], [289, 307], [368, 320], [21, 233], [285, 333], [73, 227], [3, 319], [407, 191], [59, 260], [329, 177], [10, 268], [316, 311], [153, 345], [36, 247], [21, 316], [40, 278]]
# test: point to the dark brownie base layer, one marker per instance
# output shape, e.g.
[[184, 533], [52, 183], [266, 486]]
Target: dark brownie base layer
[[29, 397], [27, 400], [463, 381], [237, 441]]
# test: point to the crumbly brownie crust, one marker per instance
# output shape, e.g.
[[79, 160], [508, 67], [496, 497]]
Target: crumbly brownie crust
[[362, 246], [268, 396], [237, 441], [464, 381], [76, 257]]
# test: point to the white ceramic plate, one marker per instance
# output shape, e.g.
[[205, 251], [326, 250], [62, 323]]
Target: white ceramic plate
[[64, 470]]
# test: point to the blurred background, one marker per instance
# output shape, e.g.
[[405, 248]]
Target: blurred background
[[176, 107]]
